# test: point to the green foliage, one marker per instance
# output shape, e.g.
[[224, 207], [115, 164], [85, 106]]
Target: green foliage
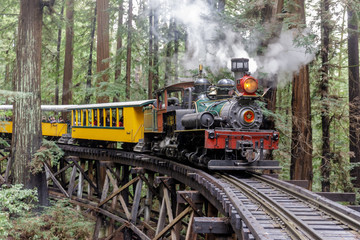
[[57, 222], [14, 201], [48, 153]]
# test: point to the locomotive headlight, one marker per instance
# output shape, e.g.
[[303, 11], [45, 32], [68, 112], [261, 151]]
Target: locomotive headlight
[[250, 85], [247, 85]]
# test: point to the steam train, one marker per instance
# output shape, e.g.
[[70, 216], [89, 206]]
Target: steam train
[[213, 126]]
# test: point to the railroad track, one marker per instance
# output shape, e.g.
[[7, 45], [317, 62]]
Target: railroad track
[[283, 211], [257, 207]]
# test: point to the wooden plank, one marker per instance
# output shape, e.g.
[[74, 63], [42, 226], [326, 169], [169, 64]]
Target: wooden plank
[[116, 232], [214, 225], [149, 196], [339, 197], [136, 202], [191, 203], [172, 223], [169, 211], [118, 191], [105, 188], [354, 207], [300, 183], [62, 170], [195, 197], [86, 176], [190, 234], [72, 181], [57, 183], [162, 216]]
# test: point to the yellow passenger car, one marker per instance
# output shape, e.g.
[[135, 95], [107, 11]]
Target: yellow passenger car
[[48, 129], [115, 122]]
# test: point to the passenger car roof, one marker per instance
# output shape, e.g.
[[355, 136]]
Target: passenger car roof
[[114, 105]]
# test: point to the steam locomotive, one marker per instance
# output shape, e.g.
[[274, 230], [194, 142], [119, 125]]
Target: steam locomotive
[[216, 126]]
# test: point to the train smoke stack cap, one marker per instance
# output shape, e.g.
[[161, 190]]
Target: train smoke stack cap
[[240, 66]]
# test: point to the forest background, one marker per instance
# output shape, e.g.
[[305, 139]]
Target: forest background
[[111, 50]]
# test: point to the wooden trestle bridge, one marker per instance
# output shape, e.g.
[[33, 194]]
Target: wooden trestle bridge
[[137, 196]]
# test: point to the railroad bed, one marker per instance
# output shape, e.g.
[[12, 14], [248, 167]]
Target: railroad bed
[[255, 207], [279, 210]]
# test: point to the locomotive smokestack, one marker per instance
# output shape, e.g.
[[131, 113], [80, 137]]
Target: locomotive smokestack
[[240, 67]]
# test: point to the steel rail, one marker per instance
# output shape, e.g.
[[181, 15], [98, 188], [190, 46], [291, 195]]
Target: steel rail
[[294, 225], [353, 222]]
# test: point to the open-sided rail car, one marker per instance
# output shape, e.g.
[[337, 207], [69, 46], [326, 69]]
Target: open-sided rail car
[[48, 129], [110, 122]]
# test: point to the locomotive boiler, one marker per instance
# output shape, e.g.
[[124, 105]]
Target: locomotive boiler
[[215, 126]]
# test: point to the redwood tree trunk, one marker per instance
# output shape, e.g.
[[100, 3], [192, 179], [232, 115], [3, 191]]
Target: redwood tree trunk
[[68, 65], [128, 52], [90, 61], [301, 139], [156, 49], [324, 92], [102, 46], [354, 92], [151, 59], [58, 58], [26, 138], [118, 48]]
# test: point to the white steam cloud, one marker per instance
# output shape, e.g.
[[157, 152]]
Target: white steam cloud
[[214, 44], [283, 56]]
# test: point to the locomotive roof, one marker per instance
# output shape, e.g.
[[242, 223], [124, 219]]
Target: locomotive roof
[[114, 105], [177, 86], [54, 108]]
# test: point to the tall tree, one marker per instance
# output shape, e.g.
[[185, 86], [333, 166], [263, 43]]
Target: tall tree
[[168, 52], [58, 57], [128, 51], [324, 92], [102, 45], [156, 47], [68, 65], [150, 51], [354, 92], [301, 138], [118, 48], [90, 61], [26, 138]]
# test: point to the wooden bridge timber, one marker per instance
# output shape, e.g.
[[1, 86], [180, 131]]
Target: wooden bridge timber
[[138, 196]]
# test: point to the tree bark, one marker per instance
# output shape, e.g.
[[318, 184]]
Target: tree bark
[[26, 138], [151, 57], [128, 51], [68, 65], [103, 53], [156, 49], [118, 49], [301, 139], [58, 58], [324, 92], [176, 50], [90, 61], [168, 54], [354, 92]]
